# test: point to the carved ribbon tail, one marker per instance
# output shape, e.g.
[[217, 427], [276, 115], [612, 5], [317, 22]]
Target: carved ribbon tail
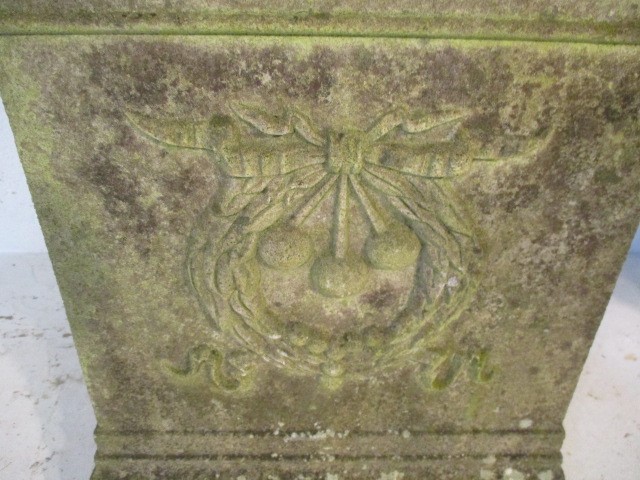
[[528, 149], [209, 364], [184, 133]]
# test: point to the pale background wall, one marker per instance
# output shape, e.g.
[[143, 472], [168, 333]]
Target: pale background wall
[[46, 421]]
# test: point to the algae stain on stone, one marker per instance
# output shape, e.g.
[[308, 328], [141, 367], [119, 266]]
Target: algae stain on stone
[[607, 175]]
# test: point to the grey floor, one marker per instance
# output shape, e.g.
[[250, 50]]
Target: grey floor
[[46, 421]]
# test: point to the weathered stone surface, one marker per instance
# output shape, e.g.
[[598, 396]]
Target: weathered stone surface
[[323, 257], [593, 21]]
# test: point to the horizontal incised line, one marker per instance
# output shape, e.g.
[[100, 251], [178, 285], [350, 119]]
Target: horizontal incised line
[[340, 24], [352, 433], [412, 446], [334, 457]]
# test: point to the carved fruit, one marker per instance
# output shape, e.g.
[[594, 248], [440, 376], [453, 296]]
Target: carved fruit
[[284, 248], [394, 249], [339, 277]]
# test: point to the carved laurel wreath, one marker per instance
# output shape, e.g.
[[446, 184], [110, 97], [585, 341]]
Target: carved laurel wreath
[[278, 169]]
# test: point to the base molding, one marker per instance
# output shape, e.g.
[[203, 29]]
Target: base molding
[[323, 455]]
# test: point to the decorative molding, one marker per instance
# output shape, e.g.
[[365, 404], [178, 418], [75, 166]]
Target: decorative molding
[[542, 27], [346, 446]]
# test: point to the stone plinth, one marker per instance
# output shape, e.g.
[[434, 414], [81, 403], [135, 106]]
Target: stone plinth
[[366, 242]]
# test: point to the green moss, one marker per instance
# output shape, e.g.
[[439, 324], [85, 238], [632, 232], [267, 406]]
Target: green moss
[[136, 229], [607, 175]]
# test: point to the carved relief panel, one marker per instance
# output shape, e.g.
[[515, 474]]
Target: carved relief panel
[[329, 258], [332, 251]]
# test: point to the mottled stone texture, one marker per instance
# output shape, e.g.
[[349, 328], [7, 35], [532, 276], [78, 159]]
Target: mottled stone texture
[[329, 258], [592, 21]]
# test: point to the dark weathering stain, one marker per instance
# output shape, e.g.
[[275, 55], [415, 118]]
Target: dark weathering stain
[[156, 74], [185, 182], [181, 189], [141, 201], [452, 75], [318, 67], [121, 192], [383, 297], [522, 197]]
